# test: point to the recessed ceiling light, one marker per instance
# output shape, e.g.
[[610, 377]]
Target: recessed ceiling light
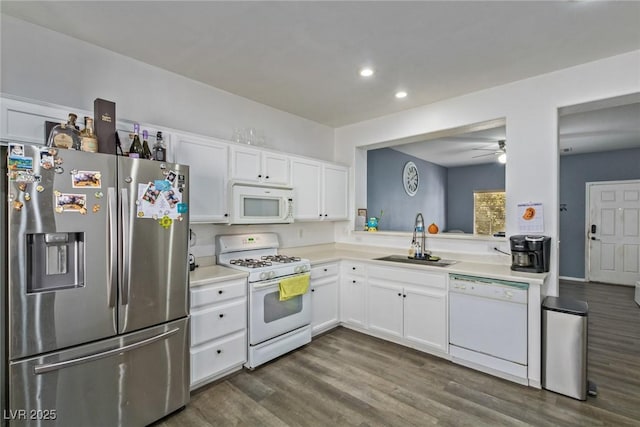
[[366, 72], [401, 94]]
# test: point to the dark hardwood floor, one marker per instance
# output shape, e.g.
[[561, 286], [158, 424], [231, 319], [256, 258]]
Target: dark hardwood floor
[[345, 378]]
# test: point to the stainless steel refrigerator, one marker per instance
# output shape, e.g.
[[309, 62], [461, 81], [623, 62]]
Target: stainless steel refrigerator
[[94, 288]]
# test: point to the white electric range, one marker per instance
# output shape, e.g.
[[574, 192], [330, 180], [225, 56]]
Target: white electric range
[[275, 327]]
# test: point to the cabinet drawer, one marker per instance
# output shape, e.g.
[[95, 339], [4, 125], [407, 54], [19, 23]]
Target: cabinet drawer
[[405, 275], [324, 270], [211, 323], [353, 268], [218, 292], [216, 357]]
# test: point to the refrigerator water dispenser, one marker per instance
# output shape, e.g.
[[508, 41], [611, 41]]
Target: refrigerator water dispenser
[[56, 261]]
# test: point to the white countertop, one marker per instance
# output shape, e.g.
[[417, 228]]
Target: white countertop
[[471, 265], [212, 274], [320, 254]]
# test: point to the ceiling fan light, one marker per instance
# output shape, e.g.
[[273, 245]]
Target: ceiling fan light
[[502, 158]]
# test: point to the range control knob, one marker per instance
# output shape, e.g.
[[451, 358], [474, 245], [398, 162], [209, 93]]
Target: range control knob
[[297, 269], [264, 275], [272, 274]]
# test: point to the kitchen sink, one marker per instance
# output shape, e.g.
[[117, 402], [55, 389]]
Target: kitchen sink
[[407, 260]]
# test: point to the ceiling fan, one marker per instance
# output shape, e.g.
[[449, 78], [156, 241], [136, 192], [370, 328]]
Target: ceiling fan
[[501, 152]]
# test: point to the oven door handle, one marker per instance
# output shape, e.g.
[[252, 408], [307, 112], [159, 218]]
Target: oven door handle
[[262, 285], [273, 282]]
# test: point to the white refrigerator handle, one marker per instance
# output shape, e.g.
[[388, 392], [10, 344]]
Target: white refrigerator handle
[[126, 245], [113, 245]]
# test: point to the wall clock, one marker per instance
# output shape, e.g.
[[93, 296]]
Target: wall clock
[[410, 178]]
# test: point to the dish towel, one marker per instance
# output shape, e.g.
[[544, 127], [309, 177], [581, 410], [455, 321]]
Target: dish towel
[[293, 286]]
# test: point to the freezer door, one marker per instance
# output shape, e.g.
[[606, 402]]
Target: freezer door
[[130, 380], [61, 250], [154, 286]]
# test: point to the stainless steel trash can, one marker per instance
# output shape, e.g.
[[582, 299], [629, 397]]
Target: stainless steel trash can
[[564, 346]]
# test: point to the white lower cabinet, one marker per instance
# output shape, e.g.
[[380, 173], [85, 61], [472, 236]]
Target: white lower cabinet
[[324, 297], [218, 330], [408, 306], [353, 292]]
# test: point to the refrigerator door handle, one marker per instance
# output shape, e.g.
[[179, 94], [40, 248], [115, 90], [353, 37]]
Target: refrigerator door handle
[[113, 245], [48, 367], [126, 245]]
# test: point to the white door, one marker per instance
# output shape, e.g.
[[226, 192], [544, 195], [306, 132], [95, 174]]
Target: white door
[[305, 176], [324, 304], [614, 232], [385, 308], [275, 169], [246, 164], [336, 182], [352, 301], [425, 317], [207, 162]]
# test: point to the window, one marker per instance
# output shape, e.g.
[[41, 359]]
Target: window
[[488, 212]]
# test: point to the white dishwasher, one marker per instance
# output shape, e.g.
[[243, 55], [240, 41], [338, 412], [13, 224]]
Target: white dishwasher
[[488, 325]]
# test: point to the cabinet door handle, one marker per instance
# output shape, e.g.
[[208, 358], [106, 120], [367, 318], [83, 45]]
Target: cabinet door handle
[[325, 269], [325, 214], [354, 281], [267, 177], [404, 296], [320, 215], [259, 176], [218, 351], [313, 290], [226, 214], [221, 315], [399, 294], [220, 292]]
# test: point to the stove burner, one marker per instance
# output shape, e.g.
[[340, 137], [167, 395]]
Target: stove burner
[[281, 258], [250, 263]]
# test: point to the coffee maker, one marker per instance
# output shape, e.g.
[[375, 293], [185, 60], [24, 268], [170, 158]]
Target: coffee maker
[[530, 253]]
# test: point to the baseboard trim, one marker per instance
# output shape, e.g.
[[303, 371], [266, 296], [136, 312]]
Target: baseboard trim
[[572, 279]]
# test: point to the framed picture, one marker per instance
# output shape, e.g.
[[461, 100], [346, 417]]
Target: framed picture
[[362, 212]]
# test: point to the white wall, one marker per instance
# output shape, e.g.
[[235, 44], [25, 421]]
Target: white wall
[[43, 65], [47, 66], [530, 108]]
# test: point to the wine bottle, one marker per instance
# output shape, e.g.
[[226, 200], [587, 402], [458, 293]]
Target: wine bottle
[[135, 150], [65, 135], [88, 139], [146, 153], [159, 150]]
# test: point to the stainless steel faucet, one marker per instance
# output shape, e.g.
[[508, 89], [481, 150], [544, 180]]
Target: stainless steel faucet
[[419, 226]]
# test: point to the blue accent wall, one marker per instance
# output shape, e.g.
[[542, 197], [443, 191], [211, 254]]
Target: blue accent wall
[[385, 191], [575, 172], [461, 183]]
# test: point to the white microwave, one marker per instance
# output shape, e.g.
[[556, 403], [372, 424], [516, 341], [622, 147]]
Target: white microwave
[[260, 204]]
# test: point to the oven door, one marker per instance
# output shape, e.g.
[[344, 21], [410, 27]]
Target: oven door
[[269, 317]]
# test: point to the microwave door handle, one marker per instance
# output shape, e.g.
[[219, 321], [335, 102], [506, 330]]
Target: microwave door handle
[[126, 246], [112, 273]]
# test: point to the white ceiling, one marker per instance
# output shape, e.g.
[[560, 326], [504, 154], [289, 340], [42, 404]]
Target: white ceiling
[[303, 57], [603, 125]]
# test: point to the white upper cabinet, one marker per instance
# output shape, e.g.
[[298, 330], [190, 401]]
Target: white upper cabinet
[[336, 182], [252, 165], [25, 122], [320, 190], [306, 176], [207, 160]]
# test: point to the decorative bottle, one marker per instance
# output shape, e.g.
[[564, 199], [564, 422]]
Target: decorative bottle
[[88, 139], [146, 153], [135, 150], [159, 150], [65, 135]]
